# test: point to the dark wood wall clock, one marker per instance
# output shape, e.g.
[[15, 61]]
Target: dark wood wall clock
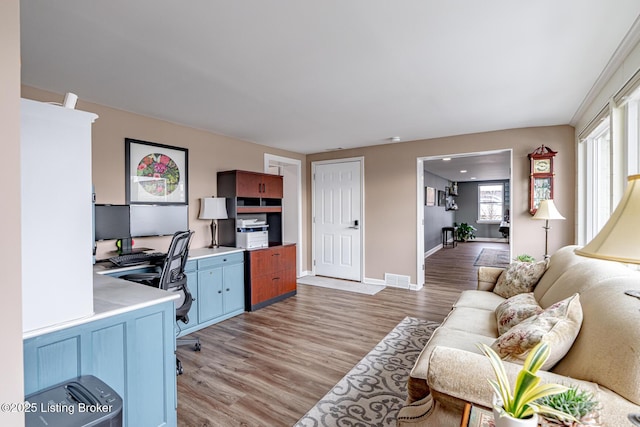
[[541, 176]]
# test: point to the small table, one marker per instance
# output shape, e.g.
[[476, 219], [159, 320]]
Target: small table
[[476, 416], [445, 239]]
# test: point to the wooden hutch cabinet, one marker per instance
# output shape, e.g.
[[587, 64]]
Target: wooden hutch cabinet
[[270, 272]]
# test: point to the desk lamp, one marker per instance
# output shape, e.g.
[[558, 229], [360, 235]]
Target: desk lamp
[[619, 239], [213, 208], [547, 210]]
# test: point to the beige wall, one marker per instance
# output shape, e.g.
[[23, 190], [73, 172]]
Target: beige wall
[[12, 388], [390, 193], [390, 180], [208, 154]]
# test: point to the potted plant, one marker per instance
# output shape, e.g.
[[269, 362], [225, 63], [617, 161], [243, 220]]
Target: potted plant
[[525, 258], [465, 232], [520, 406], [578, 403]]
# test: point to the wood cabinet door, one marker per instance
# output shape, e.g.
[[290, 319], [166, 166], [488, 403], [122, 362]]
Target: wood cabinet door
[[272, 187], [287, 281], [248, 184]]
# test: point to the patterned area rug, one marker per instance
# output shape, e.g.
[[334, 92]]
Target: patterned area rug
[[492, 258], [373, 392]]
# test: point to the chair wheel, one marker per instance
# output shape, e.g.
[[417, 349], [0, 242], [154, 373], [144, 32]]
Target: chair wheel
[[197, 347], [179, 369]]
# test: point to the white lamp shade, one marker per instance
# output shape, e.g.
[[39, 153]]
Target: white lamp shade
[[213, 208], [619, 239], [547, 210]]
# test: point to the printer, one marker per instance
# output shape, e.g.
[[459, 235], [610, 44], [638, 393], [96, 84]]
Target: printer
[[252, 233]]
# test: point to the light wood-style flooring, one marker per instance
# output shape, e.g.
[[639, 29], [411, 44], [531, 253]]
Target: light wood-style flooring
[[269, 367]]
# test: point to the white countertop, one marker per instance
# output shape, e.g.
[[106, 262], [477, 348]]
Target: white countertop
[[113, 296], [207, 252]]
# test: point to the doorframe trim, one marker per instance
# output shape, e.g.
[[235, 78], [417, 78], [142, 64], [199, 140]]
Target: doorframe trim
[[269, 160], [420, 204], [360, 160]]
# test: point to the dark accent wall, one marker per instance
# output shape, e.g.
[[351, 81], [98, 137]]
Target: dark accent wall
[[435, 217], [468, 207]]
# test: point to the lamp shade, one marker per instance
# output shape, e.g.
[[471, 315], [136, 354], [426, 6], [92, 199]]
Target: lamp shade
[[619, 239], [547, 210], [213, 208]]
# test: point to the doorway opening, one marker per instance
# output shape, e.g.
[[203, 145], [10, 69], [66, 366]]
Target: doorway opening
[[291, 171], [466, 170]]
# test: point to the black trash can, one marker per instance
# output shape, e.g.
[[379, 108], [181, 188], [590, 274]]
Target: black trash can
[[83, 402]]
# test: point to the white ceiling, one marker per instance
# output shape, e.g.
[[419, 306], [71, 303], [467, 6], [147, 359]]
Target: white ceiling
[[309, 76], [480, 167]]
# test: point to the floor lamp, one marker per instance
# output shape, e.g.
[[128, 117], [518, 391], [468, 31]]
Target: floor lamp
[[547, 210], [213, 208], [619, 239]]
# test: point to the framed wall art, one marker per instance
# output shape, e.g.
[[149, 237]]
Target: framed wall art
[[441, 198], [155, 173], [430, 196]]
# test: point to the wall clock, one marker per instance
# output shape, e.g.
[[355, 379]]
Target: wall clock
[[541, 176]]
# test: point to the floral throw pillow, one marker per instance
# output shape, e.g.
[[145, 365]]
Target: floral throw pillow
[[519, 278], [516, 309], [558, 326]]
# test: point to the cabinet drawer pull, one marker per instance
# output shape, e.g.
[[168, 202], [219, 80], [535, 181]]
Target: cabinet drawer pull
[[219, 292], [227, 289], [276, 278]]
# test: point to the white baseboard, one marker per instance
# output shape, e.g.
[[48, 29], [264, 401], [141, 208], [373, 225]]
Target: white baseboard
[[433, 250]]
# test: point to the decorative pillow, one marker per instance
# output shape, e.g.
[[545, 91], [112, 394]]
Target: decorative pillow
[[558, 326], [519, 278], [516, 309]]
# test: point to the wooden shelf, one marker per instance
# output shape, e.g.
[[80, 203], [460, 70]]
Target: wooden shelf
[[258, 209]]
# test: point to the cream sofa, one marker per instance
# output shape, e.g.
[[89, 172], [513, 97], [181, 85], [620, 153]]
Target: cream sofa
[[604, 359]]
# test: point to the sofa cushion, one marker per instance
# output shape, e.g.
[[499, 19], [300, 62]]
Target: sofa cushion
[[558, 326], [519, 278], [608, 347], [473, 320], [478, 299], [514, 310], [561, 261]]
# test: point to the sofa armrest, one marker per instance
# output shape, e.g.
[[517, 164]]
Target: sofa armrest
[[456, 375], [488, 277]]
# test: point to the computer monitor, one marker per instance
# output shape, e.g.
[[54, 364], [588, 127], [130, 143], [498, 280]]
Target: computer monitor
[[158, 220], [112, 222]]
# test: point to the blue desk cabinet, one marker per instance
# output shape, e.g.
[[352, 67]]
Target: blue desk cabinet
[[133, 352], [217, 284]]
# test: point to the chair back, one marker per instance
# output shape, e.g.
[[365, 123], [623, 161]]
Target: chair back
[[173, 277], [173, 269]]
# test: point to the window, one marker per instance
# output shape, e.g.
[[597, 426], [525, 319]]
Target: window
[[633, 133], [490, 202], [598, 178]]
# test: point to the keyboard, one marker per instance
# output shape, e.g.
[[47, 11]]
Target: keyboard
[[134, 259]]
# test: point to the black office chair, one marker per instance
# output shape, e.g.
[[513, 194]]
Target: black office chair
[[171, 277]]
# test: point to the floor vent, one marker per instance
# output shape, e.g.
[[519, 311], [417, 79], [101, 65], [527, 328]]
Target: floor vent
[[397, 280]]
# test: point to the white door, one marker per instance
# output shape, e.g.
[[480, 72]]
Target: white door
[[338, 222]]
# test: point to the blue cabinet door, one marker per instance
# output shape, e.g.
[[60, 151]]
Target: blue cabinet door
[[210, 294], [234, 288]]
